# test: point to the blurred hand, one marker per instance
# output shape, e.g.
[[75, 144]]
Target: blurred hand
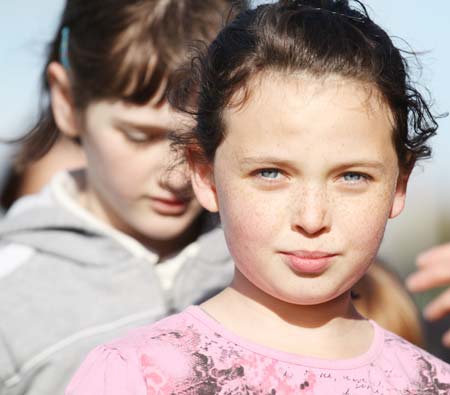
[[433, 270]]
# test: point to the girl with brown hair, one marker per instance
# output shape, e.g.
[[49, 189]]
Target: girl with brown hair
[[124, 241]]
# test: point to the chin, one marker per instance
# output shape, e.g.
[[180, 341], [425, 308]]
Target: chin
[[162, 231], [307, 299]]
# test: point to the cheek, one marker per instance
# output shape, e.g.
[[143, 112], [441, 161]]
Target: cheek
[[248, 218], [364, 221], [116, 169]]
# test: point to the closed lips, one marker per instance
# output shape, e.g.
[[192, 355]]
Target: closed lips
[[309, 254]]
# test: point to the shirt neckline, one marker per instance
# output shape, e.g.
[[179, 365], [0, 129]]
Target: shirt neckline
[[366, 358], [64, 190]]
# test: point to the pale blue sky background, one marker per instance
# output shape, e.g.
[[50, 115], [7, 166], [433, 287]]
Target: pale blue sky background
[[26, 25]]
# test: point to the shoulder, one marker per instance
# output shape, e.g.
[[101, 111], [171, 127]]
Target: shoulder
[[167, 330], [145, 358], [409, 358], [395, 343], [29, 203], [109, 371]]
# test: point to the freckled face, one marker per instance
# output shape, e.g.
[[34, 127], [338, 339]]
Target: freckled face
[[305, 181]]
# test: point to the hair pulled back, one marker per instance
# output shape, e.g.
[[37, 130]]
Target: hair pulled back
[[313, 37]]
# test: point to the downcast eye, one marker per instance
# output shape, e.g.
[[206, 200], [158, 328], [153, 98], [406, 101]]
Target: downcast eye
[[137, 136]]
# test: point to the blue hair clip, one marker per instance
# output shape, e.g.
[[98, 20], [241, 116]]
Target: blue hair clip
[[64, 47]]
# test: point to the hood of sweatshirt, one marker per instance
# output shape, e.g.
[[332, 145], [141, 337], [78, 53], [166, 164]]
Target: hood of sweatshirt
[[53, 223]]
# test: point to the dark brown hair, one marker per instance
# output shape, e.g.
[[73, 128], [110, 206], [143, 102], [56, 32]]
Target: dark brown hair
[[121, 49], [314, 37]]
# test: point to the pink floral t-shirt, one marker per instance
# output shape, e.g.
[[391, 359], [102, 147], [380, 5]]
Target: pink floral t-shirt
[[192, 354]]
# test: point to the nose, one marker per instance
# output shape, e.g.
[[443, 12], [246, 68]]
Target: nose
[[311, 212]]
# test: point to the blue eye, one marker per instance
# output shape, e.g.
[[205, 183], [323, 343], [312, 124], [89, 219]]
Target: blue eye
[[354, 177], [269, 173]]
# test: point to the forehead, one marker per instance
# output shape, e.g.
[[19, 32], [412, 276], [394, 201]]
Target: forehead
[[297, 112], [300, 90]]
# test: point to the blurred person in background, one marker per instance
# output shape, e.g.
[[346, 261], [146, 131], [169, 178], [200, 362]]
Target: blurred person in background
[[123, 242], [433, 271]]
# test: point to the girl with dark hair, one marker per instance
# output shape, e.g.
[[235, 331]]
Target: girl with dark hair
[[123, 242], [307, 129]]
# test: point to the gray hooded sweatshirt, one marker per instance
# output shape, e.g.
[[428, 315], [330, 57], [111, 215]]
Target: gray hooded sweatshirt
[[67, 285]]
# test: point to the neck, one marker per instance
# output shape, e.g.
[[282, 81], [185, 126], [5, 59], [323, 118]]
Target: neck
[[303, 316], [322, 327]]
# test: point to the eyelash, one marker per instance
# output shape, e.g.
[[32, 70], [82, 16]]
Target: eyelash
[[259, 174], [363, 177], [146, 138]]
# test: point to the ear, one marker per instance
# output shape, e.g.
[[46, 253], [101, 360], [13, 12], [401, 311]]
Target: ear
[[400, 194], [61, 100], [202, 179]]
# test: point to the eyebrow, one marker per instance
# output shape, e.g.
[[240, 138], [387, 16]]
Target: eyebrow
[[265, 160], [363, 163]]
